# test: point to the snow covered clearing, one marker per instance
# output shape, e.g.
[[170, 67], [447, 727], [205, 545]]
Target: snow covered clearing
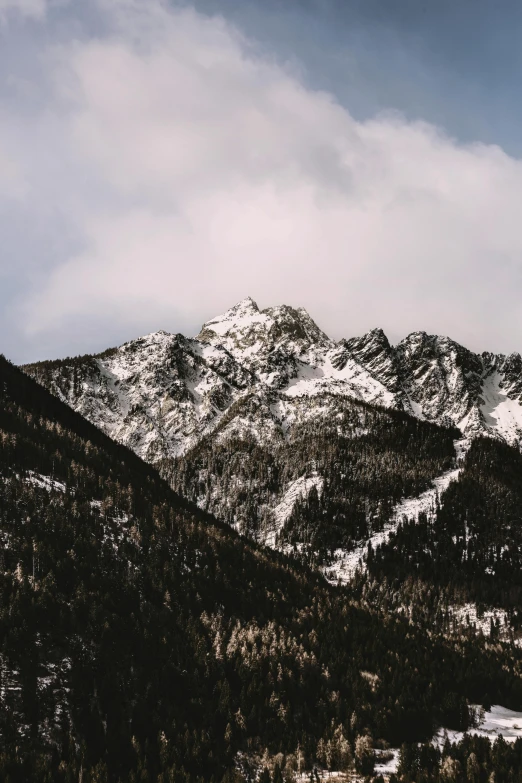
[[386, 761], [498, 721]]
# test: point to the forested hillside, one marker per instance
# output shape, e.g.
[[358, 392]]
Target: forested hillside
[[474, 547], [359, 461], [141, 640]]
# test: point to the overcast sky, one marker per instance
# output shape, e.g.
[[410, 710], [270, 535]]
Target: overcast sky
[[160, 161]]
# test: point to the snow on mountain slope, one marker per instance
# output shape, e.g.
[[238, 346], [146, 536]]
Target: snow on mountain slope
[[232, 417], [270, 343], [438, 380], [374, 352], [244, 330], [501, 413], [298, 489], [439, 375], [157, 395], [350, 380], [160, 394], [346, 563]]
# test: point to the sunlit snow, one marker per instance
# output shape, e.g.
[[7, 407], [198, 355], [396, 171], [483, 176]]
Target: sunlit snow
[[498, 721]]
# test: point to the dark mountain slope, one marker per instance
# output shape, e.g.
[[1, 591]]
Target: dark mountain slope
[[359, 460], [474, 548], [141, 641]]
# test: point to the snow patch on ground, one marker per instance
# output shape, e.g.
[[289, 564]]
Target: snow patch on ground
[[467, 615], [415, 408], [388, 765], [346, 563], [45, 482], [497, 721]]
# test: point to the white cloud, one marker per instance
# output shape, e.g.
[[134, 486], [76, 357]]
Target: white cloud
[[198, 171], [13, 186], [34, 9]]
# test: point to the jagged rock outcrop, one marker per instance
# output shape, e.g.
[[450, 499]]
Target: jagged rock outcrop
[[157, 395]]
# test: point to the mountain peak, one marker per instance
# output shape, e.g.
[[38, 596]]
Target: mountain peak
[[247, 302], [241, 313], [377, 332], [157, 336], [246, 306], [374, 352]]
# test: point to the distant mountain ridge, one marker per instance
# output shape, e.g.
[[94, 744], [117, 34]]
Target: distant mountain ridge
[[162, 393]]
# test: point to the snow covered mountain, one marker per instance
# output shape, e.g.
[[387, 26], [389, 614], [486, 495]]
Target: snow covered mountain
[[162, 393], [321, 448]]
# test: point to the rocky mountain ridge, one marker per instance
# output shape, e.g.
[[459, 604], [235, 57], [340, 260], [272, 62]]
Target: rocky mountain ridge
[[162, 393]]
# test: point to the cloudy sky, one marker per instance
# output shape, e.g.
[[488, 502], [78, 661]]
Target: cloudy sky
[[160, 161]]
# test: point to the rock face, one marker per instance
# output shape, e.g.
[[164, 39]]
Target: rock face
[[157, 395], [162, 393]]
